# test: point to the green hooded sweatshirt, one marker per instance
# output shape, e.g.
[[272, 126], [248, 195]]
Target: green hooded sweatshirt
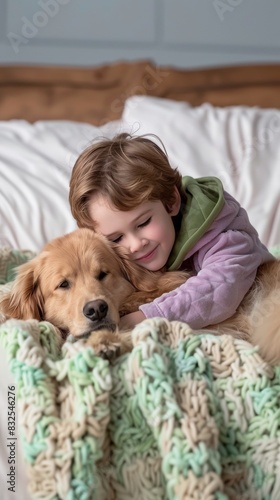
[[205, 200]]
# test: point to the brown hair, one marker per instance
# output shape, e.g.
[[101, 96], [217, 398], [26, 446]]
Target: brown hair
[[128, 170]]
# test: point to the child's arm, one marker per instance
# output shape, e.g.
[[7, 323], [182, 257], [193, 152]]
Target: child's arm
[[130, 320], [226, 269]]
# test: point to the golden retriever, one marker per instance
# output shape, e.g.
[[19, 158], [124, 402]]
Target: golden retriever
[[83, 284]]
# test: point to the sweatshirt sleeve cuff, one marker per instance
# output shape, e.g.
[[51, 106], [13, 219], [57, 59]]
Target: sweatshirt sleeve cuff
[[151, 310]]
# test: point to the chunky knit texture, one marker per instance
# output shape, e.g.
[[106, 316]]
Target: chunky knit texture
[[10, 259], [183, 416]]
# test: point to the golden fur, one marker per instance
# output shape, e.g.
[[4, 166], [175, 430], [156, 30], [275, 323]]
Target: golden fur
[[82, 284]]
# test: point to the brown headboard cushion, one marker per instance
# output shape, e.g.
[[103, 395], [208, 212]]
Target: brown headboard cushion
[[97, 95]]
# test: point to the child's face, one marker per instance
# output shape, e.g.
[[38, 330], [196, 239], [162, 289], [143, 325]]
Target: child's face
[[147, 232]]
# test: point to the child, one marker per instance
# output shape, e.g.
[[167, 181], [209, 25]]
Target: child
[[125, 189]]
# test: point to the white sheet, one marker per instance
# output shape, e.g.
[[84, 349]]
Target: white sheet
[[35, 167], [240, 145]]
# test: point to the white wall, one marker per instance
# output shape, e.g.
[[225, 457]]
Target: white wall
[[184, 33]]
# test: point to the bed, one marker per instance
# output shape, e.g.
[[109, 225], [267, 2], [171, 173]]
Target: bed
[[195, 417]]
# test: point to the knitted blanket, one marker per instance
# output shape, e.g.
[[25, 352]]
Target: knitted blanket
[[183, 416]]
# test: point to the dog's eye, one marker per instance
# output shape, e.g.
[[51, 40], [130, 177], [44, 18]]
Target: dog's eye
[[102, 275], [64, 284]]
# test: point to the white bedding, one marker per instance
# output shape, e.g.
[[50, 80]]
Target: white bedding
[[35, 166], [240, 145]]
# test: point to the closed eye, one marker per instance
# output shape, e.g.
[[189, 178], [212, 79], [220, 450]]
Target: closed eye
[[145, 223], [64, 284], [102, 275], [117, 240]]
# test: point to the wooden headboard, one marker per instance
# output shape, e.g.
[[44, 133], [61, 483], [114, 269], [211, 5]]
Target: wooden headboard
[[97, 95]]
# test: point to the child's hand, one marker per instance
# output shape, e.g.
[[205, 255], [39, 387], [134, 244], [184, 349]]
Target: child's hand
[[130, 320]]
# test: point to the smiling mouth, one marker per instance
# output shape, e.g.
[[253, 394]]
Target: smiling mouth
[[148, 256]]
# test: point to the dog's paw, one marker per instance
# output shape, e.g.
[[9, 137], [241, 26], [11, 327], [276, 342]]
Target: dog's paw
[[109, 352], [105, 345]]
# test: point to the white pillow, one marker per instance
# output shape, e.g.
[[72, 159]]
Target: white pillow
[[240, 145], [35, 167]]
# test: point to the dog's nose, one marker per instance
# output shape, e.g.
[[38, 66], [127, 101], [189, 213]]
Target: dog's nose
[[95, 309]]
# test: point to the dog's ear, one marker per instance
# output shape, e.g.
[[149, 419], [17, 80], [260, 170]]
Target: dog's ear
[[25, 300], [142, 279], [153, 282]]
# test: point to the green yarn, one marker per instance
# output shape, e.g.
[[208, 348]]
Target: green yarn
[[10, 259], [63, 441], [182, 416], [275, 251], [177, 422]]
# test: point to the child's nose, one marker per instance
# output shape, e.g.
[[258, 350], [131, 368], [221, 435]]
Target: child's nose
[[135, 243]]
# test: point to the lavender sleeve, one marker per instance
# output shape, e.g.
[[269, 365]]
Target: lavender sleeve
[[226, 269]]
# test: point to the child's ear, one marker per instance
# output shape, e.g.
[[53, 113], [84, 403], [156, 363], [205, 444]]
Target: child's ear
[[23, 301], [175, 204]]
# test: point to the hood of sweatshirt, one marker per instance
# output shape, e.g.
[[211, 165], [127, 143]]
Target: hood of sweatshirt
[[205, 200]]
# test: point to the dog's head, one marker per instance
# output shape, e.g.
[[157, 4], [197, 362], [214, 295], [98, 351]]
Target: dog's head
[[78, 283]]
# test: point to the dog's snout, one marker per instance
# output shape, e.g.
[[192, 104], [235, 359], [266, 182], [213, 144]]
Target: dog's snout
[[95, 310]]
